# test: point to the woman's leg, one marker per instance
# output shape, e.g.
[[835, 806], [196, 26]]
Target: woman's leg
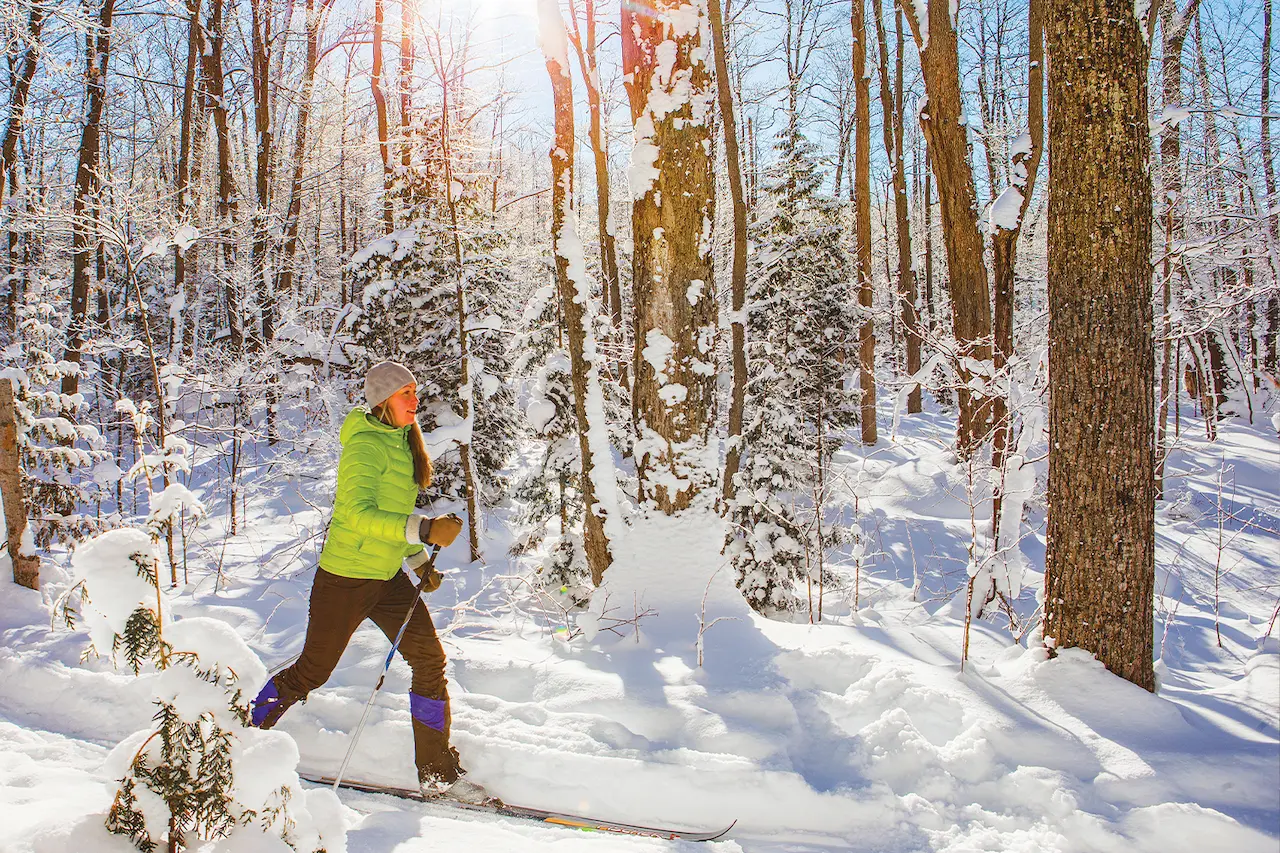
[[429, 695], [338, 606]]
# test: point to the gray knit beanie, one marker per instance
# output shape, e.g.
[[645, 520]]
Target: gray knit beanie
[[385, 379]]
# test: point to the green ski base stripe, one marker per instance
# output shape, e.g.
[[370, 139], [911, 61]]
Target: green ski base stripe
[[566, 821]]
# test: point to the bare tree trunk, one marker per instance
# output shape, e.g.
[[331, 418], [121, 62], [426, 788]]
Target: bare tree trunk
[[18, 98], [571, 284], [675, 307], [261, 15], [862, 219], [315, 22], [26, 567], [407, 17], [228, 206], [464, 351], [946, 134], [586, 50], [84, 227], [930, 305], [1270, 350], [1099, 567], [1004, 240], [190, 121], [738, 274], [892, 126], [380, 102]]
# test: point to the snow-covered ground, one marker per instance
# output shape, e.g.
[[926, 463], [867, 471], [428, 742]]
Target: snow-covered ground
[[860, 733]]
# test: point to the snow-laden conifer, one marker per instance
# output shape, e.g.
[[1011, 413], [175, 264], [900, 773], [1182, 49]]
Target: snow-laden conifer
[[549, 496], [200, 772], [409, 313], [801, 334], [64, 458]]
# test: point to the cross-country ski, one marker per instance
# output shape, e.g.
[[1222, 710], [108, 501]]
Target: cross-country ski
[[500, 809]]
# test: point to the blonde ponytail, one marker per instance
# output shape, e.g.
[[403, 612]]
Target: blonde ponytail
[[422, 469]]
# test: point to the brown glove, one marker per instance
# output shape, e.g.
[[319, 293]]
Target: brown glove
[[433, 581], [441, 530]]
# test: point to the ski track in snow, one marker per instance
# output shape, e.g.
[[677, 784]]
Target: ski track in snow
[[858, 734]]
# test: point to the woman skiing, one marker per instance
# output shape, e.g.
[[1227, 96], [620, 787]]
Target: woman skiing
[[375, 528]]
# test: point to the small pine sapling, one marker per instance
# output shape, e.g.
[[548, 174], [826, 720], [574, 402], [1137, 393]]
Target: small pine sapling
[[200, 772]]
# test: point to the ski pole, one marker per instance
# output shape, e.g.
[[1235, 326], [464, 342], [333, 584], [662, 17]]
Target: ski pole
[[427, 568]]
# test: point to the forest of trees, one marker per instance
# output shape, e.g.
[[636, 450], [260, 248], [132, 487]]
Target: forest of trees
[[764, 230]]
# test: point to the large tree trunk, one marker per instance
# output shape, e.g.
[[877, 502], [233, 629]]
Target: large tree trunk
[[675, 306], [1004, 239], [738, 270], [26, 567], [945, 132], [862, 218], [84, 226], [575, 292], [1099, 567]]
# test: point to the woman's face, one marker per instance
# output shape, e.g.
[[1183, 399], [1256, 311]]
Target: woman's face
[[402, 406]]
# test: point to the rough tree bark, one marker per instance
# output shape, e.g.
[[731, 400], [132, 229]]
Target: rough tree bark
[[572, 286], [1099, 567], [738, 270], [26, 567], [671, 216], [84, 228], [945, 132], [862, 218]]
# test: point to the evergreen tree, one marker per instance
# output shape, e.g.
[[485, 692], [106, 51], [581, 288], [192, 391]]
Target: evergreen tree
[[801, 335], [64, 459], [548, 495], [409, 313]]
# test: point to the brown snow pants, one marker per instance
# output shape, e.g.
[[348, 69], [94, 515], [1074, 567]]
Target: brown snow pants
[[338, 606]]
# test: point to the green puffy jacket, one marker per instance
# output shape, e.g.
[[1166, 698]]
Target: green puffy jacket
[[376, 494]]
